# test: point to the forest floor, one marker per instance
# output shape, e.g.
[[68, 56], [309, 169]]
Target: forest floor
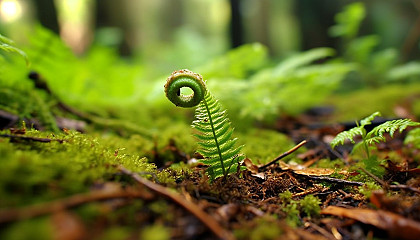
[[328, 195], [119, 185]]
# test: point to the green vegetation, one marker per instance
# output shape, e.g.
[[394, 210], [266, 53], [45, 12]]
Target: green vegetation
[[374, 136], [369, 139], [72, 122], [309, 205], [213, 126], [71, 162], [6, 44], [413, 137]]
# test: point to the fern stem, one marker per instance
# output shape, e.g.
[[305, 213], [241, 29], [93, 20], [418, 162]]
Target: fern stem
[[366, 148], [215, 137]]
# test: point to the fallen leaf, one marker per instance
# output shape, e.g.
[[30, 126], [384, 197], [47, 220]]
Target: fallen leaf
[[302, 170], [396, 225]]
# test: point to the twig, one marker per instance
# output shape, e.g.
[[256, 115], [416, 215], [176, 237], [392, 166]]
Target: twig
[[322, 231], [401, 186], [336, 180], [285, 154], [380, 181], [65, 203], [205, 218], [35, 139], [387, 186]]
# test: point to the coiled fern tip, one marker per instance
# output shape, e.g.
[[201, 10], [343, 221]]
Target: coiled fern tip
[[185, 78]]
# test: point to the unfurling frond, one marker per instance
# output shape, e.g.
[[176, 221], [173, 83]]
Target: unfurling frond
[[213, 128]]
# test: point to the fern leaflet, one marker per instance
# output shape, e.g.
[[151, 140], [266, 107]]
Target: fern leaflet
[[356, 131], [377, 134], [7, 45], [347, 135], [214, 132]]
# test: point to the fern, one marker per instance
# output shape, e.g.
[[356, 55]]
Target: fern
[[376, 135], [213, 128], [356, 131], [347, 135], [215, 138], [270, 91], [7, 45]]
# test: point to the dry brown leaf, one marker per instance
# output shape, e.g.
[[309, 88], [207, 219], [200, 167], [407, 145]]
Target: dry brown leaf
[[302, 170], [394, 224], [251, 166]]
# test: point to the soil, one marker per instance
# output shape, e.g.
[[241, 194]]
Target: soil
[[262, 202]]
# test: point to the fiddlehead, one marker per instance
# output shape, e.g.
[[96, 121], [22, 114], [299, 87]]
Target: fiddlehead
[[212, 125], [185, 78]]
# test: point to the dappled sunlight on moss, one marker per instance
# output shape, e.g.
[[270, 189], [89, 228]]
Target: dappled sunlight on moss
[[262, 146]]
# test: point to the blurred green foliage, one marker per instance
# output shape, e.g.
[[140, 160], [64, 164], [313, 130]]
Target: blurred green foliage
[[124, 97], [6, 44], [348, 21], [374, 66]]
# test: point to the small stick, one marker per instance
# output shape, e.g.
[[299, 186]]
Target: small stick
[[400, 186], [191, 207], [336, 180], [285, 154], [380, 181]]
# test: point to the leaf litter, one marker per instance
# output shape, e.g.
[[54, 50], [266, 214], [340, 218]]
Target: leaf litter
[[262, 202]]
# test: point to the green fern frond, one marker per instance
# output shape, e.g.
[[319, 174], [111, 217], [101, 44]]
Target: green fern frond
[[376, 135], [347, 135], [375, 139], [390, 127], [368, 120], [212, 126], [356, 131], [7, 45], [215, 134]]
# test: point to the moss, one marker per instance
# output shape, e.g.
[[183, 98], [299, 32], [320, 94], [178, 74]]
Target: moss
[[28, 103], [337, 164], [286, 197], [374, 166], [267, 227], [367, 189], [34, 171], [294, 208], [291, 208], [262, 146], [116, 233], [161, 208], [181, 135], [384, 100], [36, 229], [155, 232], [310, 205], [293, 214]]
